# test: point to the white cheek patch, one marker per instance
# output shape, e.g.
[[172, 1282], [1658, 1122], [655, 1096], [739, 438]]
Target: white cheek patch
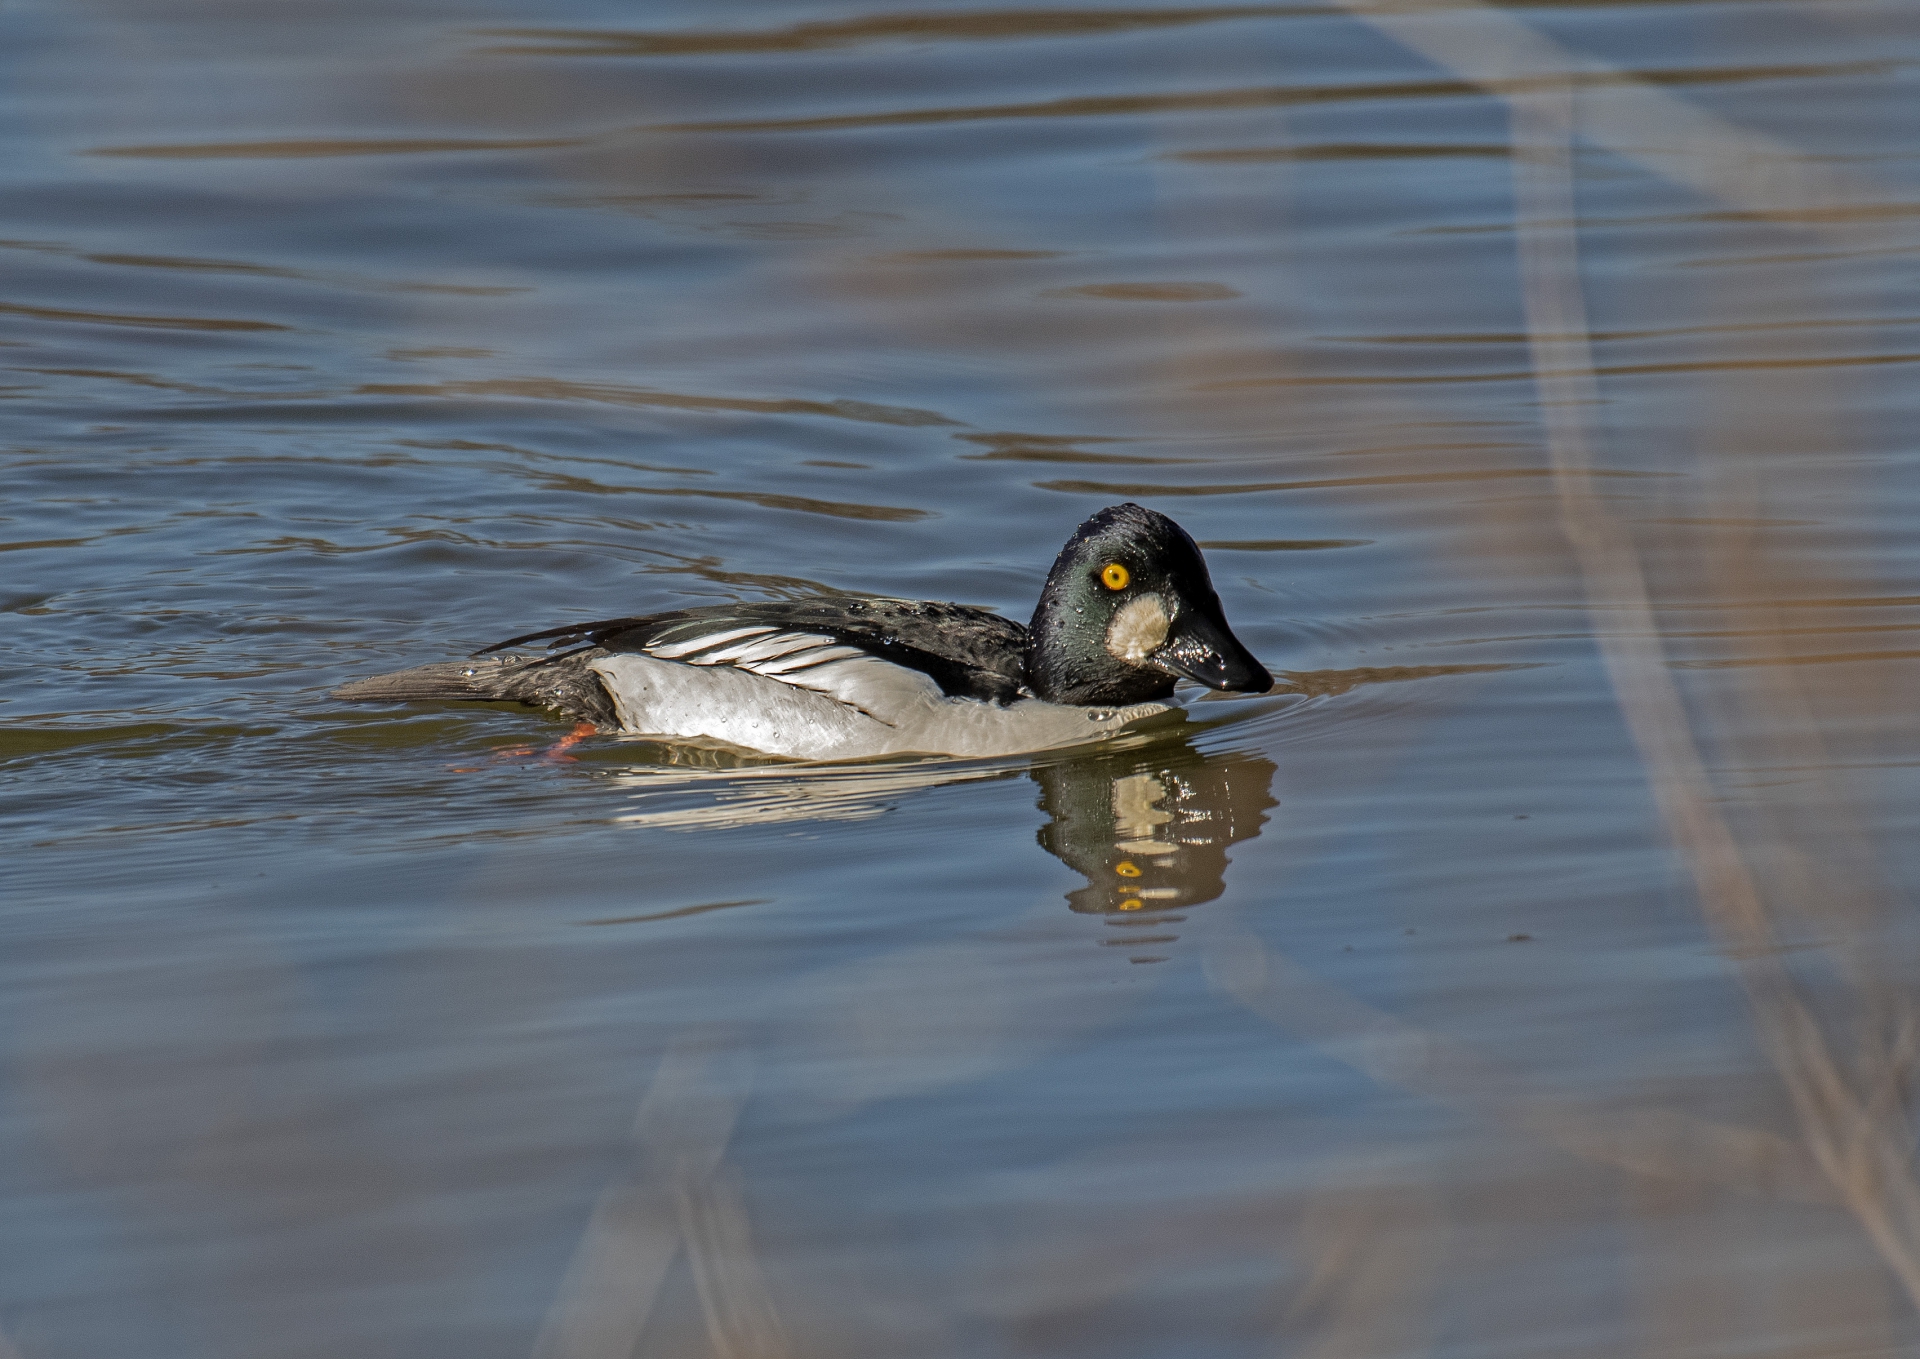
[[1137, 631]]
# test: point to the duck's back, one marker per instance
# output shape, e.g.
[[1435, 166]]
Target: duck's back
[[968, 652]]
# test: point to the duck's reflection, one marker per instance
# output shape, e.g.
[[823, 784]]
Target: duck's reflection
[[1149, 829]]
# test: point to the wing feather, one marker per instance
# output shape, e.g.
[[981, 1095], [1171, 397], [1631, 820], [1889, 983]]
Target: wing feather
[[864, 682], [773, 648], [786, 666], [683, 650], [966, 652]]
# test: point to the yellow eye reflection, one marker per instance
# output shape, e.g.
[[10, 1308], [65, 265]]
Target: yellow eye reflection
[[1116, 576], [1126, 868]]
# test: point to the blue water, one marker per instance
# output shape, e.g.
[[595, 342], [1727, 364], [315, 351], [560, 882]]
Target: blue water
[[344, 337]]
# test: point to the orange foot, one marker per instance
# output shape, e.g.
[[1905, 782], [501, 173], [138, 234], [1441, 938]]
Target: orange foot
[[559, 749]]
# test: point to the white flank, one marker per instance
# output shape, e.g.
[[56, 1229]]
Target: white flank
[[851, 707], [1137, 631]]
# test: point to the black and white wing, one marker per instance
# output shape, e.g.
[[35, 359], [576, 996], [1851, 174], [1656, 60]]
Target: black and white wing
[[966, 652]]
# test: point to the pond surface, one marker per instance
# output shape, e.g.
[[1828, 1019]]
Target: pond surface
[[1529, 974]]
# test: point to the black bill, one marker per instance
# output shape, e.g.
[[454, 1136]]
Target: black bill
[[1205, 650]]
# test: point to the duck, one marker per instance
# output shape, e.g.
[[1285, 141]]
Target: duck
[[1128, 610]]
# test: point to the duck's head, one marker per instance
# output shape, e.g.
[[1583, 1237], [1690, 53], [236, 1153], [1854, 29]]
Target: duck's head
[[1129, 608]]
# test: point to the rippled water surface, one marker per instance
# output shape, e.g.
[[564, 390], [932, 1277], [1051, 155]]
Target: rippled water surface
[[1528, 975]]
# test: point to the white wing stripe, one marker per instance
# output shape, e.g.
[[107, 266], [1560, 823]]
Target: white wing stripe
[[786, 665], [804, 660], [762, 649], [777, 648], [673, 651]]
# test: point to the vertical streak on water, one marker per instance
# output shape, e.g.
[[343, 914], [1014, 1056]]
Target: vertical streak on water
[[676, 1197], [1856, 1135]]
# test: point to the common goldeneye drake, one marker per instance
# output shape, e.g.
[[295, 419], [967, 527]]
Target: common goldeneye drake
[[1126, 611]]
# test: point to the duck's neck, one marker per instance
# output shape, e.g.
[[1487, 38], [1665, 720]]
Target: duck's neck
[[1067, 659]]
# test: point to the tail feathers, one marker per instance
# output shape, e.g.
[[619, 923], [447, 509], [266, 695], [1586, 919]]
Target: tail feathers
[[563, 684]]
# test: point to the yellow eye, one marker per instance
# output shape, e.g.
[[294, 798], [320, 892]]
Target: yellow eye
[[1126, 868], [1115, 577], [1132, 905]]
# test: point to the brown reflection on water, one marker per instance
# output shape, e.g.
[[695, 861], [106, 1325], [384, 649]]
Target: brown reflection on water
[[99, 318], [308, 150], [1239, 98], [1334, 151], [1148, 292], [561, 389], [981, 25]]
